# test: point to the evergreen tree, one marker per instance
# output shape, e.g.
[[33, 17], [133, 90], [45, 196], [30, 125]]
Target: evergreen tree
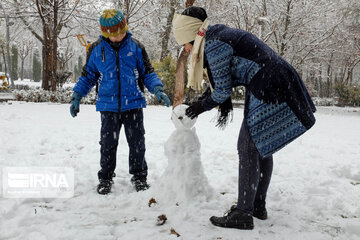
[[14, 62], [36, 67]]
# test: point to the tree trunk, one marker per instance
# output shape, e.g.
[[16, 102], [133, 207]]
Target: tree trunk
[[321, 90], [46, 58], [54, 46], [49, 43], [328, 82], [189, 3], [8, 51], [180, 78], [348, 76], [22, 69], [49, 58], [181, 71], [3, 51], [329, 77], [166, 34], [283, 47], [352, 73]]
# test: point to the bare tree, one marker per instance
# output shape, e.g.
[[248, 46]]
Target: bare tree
[[165, 36], [64, 56], [7, 23], [25, 48], [54, 15], [132, 8], [320, 38], [2, 50], [253, 17], [350, 41]]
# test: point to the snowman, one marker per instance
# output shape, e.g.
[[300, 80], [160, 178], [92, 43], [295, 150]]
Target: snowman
[[184, 181]]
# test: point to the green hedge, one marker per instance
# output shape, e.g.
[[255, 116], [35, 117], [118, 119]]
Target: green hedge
[[348, 96]]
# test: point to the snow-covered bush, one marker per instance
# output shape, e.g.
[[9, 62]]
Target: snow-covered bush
[[22, 87], [350, 97], [63, 95], [324, 101]]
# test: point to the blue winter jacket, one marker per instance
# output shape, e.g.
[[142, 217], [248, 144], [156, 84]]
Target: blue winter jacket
[[278, 107], [120, 75]]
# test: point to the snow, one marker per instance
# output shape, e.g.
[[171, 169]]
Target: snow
[[32, 84], [314, 192], [27, 82], [182, 150]]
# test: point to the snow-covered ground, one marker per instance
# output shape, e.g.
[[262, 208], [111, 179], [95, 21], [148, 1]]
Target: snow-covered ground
[[314, 193]]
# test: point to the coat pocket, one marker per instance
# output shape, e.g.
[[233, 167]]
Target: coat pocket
[[109, 85]]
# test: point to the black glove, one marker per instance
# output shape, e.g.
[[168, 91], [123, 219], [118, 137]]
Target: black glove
[[194, 110], [205, 94]]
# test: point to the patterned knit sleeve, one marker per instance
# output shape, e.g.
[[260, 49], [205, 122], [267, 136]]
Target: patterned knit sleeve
[[219, 55]]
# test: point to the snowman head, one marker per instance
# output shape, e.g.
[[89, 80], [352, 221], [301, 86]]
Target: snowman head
[[180, 120]]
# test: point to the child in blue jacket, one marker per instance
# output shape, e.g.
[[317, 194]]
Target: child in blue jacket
[[278, 108], [120, 66]]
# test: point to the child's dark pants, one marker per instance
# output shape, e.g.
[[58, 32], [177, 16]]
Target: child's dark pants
[[111, 123]]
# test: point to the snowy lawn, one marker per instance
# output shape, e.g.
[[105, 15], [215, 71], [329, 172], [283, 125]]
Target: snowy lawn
[[314, 193]]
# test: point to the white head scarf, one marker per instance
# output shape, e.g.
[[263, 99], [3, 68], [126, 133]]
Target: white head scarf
[[187, 29]]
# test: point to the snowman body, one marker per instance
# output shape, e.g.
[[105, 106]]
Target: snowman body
[[184, 181]]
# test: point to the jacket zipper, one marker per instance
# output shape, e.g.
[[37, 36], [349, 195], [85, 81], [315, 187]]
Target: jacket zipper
[[118, 75]]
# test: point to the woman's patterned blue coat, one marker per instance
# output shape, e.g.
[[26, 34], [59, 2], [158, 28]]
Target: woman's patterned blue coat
[[278, 107]]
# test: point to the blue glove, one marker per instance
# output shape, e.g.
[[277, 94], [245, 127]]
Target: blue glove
[[159, 93], [75, 104]]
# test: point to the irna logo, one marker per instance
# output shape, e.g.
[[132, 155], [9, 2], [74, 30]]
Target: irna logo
[[38, 182]]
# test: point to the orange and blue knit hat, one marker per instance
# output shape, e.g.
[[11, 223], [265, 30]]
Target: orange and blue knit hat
[[113, 23]]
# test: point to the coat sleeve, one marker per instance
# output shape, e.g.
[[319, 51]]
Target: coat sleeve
[[219, 56], [147, 74], [89, 75]]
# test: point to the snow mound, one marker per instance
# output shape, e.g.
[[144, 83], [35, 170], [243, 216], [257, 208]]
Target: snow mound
[[180, 120], [184, 181]]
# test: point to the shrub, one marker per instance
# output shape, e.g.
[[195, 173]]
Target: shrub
[[348, 96], [324, 101], [166, 70], [62, 95]]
